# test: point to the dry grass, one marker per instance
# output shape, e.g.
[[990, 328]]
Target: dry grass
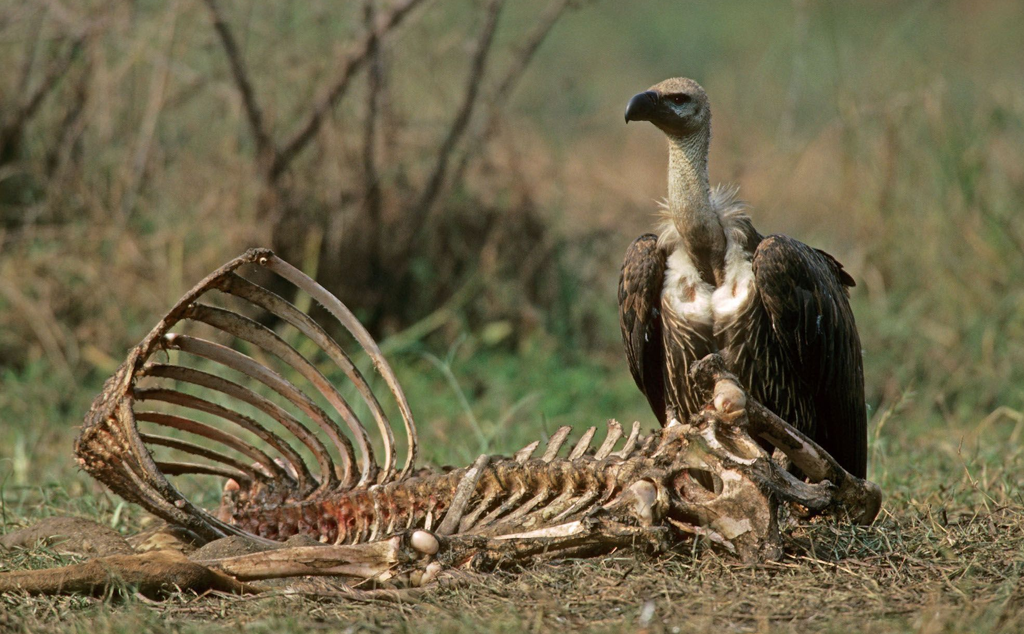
[[889, 134], [949, 560]]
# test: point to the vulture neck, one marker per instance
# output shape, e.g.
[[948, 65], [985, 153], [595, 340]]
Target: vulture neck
[[689, 204]]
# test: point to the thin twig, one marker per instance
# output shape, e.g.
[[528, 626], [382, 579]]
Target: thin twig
[[31, 49], [453, 382], [44, 325], [478, 67], [443, 315], [352, 63], [264, 144], [801, 21], [374, 81], [545, 22], [31, 105], [154, 106], [66, 141]]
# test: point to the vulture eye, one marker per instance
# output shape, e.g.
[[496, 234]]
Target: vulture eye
[[680, 99]]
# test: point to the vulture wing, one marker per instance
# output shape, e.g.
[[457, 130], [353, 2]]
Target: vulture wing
[[640, 282], [804, 292]]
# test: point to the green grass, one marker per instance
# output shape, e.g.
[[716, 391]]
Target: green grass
[[902, 158]]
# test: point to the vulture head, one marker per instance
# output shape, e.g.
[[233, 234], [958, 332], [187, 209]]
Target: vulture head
[[678, 106]]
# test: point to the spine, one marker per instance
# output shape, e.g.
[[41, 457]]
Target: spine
[[508, 495]]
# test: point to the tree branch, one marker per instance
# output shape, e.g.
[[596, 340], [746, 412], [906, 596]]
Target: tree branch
[[264, 145], [66, 141], [349, 66], [545, 22], [374, 81], [12, 129], [135, 169], [31, 49], [478, 67]]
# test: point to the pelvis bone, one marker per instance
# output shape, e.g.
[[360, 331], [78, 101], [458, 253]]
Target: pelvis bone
[[240, 385]]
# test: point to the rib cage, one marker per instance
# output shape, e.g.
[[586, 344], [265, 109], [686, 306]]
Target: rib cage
[[206, 411]]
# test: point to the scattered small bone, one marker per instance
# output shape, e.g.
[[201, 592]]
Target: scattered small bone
[[69, 535], [424, 542], [431, 572], [646, 613], [707, 533], [562, 530]]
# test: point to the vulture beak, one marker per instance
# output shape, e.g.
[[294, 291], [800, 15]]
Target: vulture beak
[[642, 106]]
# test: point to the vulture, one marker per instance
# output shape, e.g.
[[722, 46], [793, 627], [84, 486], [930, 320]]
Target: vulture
[[775, 309]]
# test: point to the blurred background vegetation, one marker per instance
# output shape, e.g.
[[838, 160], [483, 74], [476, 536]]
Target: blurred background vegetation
[[468, 187]]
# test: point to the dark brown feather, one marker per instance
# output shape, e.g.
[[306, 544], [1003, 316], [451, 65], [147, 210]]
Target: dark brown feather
[[804, 293], [640, 284], [795, 347]]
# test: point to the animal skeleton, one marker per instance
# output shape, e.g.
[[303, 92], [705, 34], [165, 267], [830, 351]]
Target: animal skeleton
[[706, 478]]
